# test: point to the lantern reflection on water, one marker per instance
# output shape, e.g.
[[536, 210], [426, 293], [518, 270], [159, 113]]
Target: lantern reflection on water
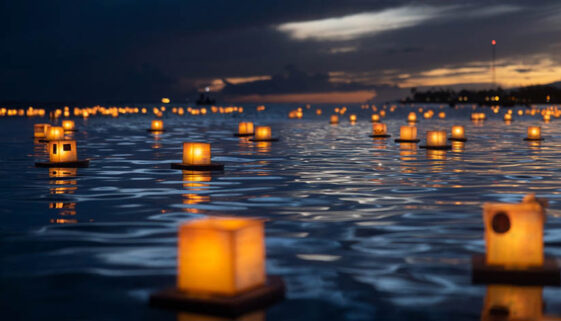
[[407, 134], [221, 268], [196, 157], [195, 182], [61, 184], [534, 133], [514, 245], [379, 130]]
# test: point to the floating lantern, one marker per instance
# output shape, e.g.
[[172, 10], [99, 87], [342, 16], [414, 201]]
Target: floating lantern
[[534, 133], [63, 154], [55, 133], [379, 130], [196, 157], [514, 245], [508, 117], [221, 268], [436, 139], [165, 100], [458, 133], [407, 134], [352, 118], [40, 130], [68, 125], [375, 118], [441, 115], [507, 302], [263, 134], [245, 129], [318, 112], [412, 117], [157, 126], [334, 119]]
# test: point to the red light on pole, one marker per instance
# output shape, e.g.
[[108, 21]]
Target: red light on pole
[[493, 42]]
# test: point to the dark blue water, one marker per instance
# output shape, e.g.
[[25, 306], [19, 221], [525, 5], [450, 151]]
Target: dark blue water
[[360, 229]]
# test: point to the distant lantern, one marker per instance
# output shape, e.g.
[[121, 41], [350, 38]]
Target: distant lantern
[[379, 130], [546, 117], [318, 111], [221, 268], [407, 134], [165, 100], [436, 139], [55, 133], [244, 129], [334, 119], [352, 118], [458, 133], [508, 117], [196, 157], [412, 117], [382, 113], [40, 130], [263, 134], [157, 126], [493, 42], [534, 133], [441, 115], [375, 118], [63, 153], [68, 125], [514, 244]]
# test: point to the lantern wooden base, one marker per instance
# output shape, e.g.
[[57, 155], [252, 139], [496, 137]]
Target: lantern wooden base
[[457, 139], [533, 139], [380, 136], [156, 130], [447, 147], [264, 140], [332, 123], [225, 306], [242, 135], [399, 140], [76, 164], [548, 274], [209, 167], [70, 130]]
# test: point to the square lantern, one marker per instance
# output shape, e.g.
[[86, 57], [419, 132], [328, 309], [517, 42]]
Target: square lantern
[[514, 245], [263, 134], [458, 133], [245, 129], [55, 133], [379, 130], [412, 117], [40, 130], [63, 153], [157, 126], [407, 134], [221, 268], [375, 118], [436, 139], [534, 133], [68, 125], [196, 157], [334, 119]]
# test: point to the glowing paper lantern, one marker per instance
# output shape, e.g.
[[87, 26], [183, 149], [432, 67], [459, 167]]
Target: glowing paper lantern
[[412, 117], [352, 118], [458, 133], [375, 118], [379, 130], [221, 268], [263, 134], [407, 134], [63, 153], [196, 157], [68, 125], [507, 117], [40, 130], [534, 133], [436, 139], [55, 133], [245, 129], [157, 126], [334, 119], [165, 100]]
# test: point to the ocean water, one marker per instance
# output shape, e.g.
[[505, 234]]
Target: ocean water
[[360, 229]]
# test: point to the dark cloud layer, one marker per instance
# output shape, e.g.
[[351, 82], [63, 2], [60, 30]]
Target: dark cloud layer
[[115, 50]]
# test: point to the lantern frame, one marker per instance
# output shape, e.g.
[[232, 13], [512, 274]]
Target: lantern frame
[[535, 139], [198, 167], [272, 139], [247, 134], [455, 139], [150, 130], [72, 164], [401, 140], [444, 147]]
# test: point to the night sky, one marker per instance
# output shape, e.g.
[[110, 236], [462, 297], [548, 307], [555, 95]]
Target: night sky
[[270, 51]]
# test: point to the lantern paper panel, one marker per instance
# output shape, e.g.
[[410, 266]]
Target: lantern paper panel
[[196, 153], [245, 128], [62, 151], [262, 132]]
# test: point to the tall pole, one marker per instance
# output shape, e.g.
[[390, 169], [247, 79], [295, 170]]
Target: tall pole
[[493, 79]]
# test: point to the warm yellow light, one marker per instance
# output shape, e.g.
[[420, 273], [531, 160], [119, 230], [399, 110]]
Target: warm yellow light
[[196, 154], [408, 132], [352, 118], [412, 117], [245, 128], [40, 130], [62, 151], [223, 256], [318, 111], [157, 125], [334, 119], [458, 132], [55, 133], [68, 125], [516, 302], [375, 118], [508, 117], [262, 132], [379, 129], [382, 113], [441, 115], [534, 132], [514, 233], [436, 138]]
